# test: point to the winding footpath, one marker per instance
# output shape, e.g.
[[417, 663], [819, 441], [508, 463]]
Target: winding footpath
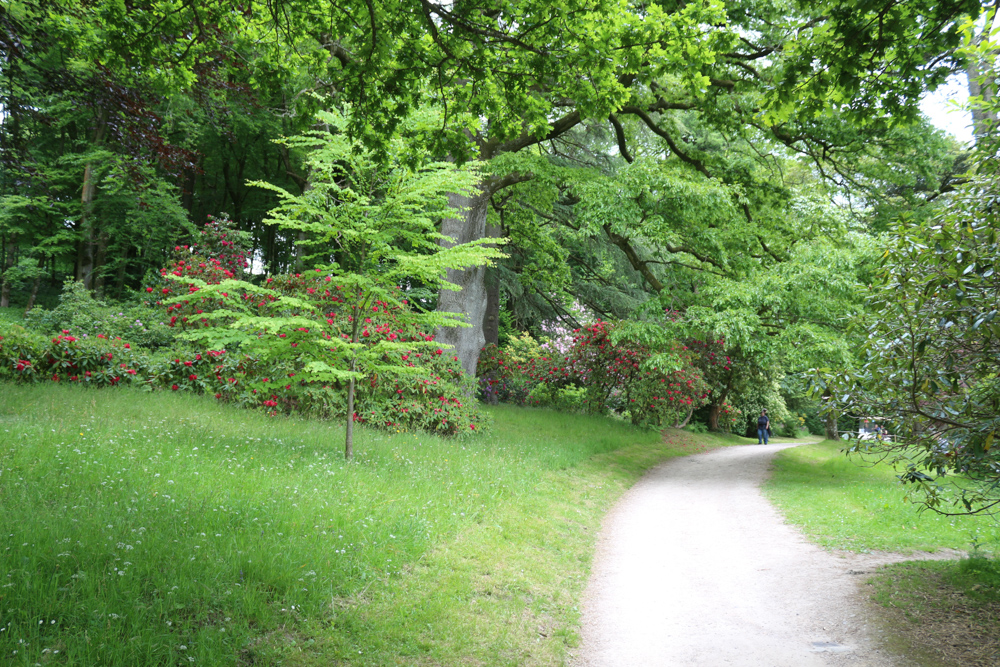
[[695, 567]]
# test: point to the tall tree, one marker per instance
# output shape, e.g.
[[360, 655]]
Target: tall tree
[[509, 77]]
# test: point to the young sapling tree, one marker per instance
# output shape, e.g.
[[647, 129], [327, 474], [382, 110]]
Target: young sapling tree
[[368, 231]]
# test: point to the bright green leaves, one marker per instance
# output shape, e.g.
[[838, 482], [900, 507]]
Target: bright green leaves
[[827, 60], [929, 360], [363, 215]]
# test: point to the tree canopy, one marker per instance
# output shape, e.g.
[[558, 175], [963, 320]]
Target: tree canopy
[[721, 171]]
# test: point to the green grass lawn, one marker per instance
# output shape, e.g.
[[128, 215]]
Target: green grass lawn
[[936, 613], [145, 529], [13, 315], [845, 505]]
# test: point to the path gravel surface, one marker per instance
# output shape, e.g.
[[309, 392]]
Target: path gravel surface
[[695, 567]]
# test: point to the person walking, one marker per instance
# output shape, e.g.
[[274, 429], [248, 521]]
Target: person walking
[[763, 426]]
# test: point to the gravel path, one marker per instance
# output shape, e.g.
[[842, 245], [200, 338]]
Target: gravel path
[[695, 567]]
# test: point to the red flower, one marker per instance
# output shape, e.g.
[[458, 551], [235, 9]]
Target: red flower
[[174, 387], [192, 377]]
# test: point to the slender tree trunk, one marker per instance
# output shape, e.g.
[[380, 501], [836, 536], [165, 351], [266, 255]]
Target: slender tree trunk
[[687, 418], [188, 188], [9, 260], [982, 84], [491, 319], [100, 259], [832, 433], [88, 224], [349, 429], [470, 298], [34, 294], [122, 268], [35, 284], [349, 438]]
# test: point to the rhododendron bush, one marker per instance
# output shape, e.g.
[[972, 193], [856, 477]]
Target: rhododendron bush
[[610, 367], [368, 228], [95, 361], [507, 374], [299, 332]]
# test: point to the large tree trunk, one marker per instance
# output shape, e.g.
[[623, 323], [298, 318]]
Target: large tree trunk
[[713, 416], [470, 297]]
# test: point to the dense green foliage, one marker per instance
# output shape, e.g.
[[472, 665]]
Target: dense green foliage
[[716, 171], [928, 364]]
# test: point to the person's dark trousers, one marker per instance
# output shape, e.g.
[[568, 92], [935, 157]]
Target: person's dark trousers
[[762, 436]]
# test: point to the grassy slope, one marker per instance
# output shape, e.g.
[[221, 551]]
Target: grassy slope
[[941, 613], [847, 506], [166, 529]]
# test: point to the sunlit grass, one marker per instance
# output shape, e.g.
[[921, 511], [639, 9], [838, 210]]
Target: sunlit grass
[[13, 315], [849, 506], [145, 529]]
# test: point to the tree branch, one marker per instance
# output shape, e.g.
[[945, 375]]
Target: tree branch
[[651, 124], [620, 137], [633, 258]]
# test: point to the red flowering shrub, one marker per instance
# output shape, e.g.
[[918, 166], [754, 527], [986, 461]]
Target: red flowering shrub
[[711, 358], [293, 358], [94, 360], [627, 376], [605, 372], [219, 255], [508, 374]]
